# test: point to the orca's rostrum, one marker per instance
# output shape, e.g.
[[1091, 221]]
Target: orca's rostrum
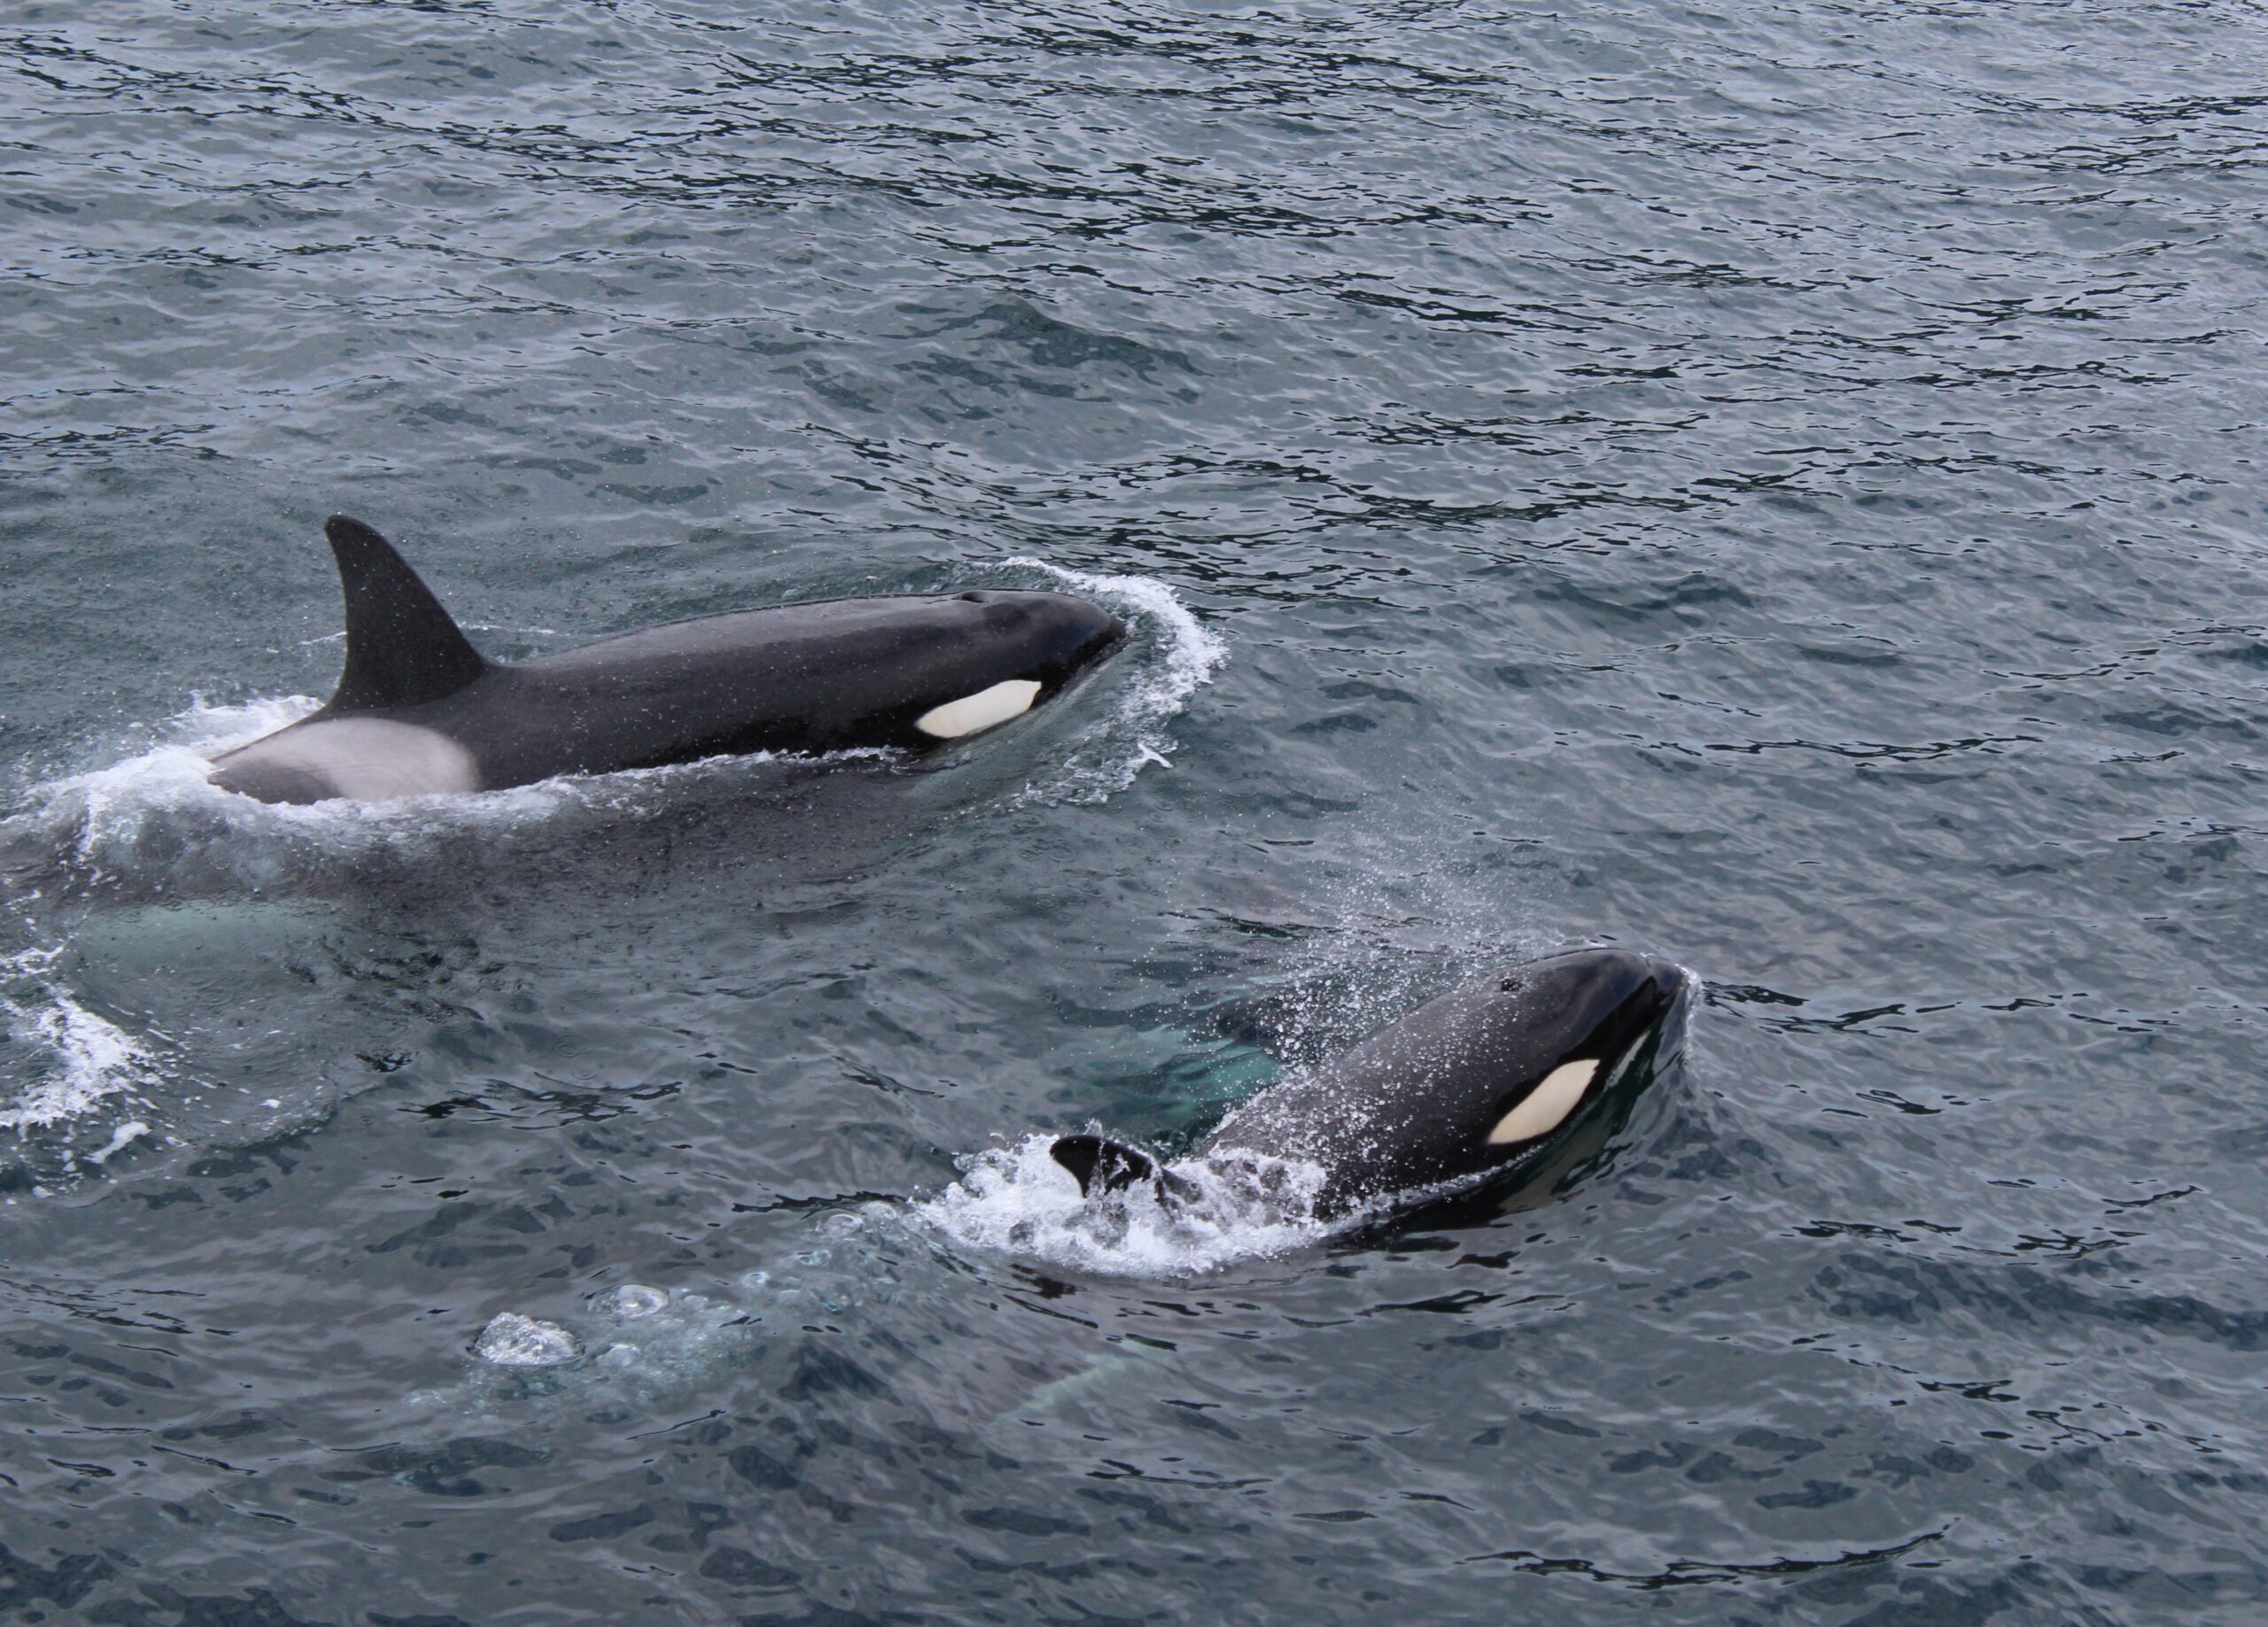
[[419, 711]]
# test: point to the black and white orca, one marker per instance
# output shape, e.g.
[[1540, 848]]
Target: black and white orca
[[419, 711], [1492, 1079]]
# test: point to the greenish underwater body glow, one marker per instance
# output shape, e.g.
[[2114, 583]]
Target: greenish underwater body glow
[[1774, 486]]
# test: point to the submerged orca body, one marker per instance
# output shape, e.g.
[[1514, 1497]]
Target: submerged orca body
[[1493, 1079], [419, 711]]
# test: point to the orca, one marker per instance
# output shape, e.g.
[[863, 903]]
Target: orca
[[418, 711], [1491, 1080]]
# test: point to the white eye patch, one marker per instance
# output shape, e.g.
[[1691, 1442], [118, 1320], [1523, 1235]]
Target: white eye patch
[[980, 710], [1546, 1107]]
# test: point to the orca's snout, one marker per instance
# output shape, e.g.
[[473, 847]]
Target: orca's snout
[[1614, 992], [1602, 963], [1664, 978], [1068, 634], [1654, 1001], [1098, 632], [1655, 985]]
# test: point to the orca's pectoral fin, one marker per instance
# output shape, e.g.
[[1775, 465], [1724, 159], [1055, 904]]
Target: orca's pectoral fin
[[1102, 1165], [403, 647]]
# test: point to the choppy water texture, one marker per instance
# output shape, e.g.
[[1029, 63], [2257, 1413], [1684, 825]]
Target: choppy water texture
[[1776, 486]]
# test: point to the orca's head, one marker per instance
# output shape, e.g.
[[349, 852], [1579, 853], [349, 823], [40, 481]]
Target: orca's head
[[1050, 637], [1535, 1073], [1527, 1073], [1501, 1075], [1569, 1032]]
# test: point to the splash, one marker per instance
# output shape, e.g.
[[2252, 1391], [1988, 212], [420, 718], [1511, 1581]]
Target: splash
[[1019, 1200], [103, 810], [1186, 657], [75, 1062], [154, 812]]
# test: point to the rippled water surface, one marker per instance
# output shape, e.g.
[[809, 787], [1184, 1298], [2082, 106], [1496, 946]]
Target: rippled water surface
[[1774, 486]]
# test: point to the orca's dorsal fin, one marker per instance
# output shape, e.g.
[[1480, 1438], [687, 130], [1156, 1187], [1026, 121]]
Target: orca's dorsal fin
[[402, 648]]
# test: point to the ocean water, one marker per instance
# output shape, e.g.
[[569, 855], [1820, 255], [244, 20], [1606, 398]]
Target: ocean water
[[1776, 486]]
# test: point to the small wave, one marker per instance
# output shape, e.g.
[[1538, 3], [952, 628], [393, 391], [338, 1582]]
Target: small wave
[[1019, 1200], [1135, 737]]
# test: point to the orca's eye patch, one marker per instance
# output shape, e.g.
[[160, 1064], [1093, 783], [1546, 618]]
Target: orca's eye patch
[[1545, 1108]]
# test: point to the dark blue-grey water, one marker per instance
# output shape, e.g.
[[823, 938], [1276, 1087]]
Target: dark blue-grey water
[[1776, 486]]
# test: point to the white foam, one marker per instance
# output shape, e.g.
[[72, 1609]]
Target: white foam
[[101, 816], [1019, 1200], [511, 1340], [124, 1136], [144, 810], [110, 804], [82, 1061], [1136, 736], [104, 813]]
